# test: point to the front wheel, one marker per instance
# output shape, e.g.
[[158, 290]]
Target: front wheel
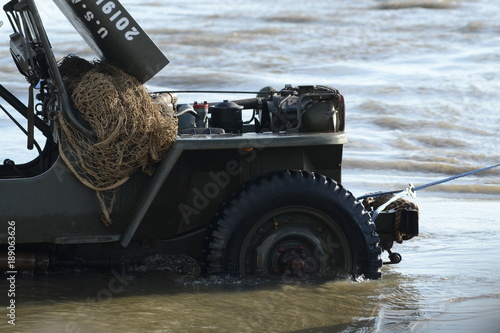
[[292, 224]]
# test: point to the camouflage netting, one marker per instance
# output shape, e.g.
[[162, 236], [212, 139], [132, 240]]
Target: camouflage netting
[[131, 131]]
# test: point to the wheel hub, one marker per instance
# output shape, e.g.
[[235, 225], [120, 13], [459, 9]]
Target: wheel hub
[[295, 242], [293, 261]]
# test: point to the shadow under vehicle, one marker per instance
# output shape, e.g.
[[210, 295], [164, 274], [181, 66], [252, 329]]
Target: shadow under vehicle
[[261, 196]]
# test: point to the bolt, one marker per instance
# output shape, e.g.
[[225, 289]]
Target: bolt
[[296, 264]]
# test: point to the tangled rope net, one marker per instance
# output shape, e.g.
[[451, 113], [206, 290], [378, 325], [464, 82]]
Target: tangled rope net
[[132, 133], [399, 205]]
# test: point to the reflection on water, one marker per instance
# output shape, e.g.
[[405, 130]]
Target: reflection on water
[[130, 301], [121, 301]]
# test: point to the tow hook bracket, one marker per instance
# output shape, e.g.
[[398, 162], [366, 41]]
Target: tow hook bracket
[[394, 257]]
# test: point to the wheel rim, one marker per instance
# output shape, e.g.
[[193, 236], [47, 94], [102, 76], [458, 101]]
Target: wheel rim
[[296, 242]]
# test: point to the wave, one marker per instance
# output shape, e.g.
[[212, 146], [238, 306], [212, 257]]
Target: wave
[[435, 142], [415, 166], [292, 18], [427, 4], [480, 27], [467, 188], [207, 80], [401, 122]]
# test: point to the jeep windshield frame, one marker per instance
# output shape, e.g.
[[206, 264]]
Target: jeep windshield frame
[[32, 53]]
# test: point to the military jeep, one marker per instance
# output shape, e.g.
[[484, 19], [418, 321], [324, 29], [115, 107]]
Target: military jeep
[[257, 196]]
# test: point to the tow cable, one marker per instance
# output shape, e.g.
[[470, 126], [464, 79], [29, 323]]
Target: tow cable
[[411, 192], [394, 200]]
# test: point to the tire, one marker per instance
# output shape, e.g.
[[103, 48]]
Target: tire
[[292, 224]]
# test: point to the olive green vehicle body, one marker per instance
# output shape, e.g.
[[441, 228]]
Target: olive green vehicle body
[[197, 174]]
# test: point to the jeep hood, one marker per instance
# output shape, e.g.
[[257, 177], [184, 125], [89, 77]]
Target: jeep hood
[[115, 36]]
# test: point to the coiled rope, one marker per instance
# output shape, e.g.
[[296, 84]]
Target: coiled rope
[[399, 205]]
